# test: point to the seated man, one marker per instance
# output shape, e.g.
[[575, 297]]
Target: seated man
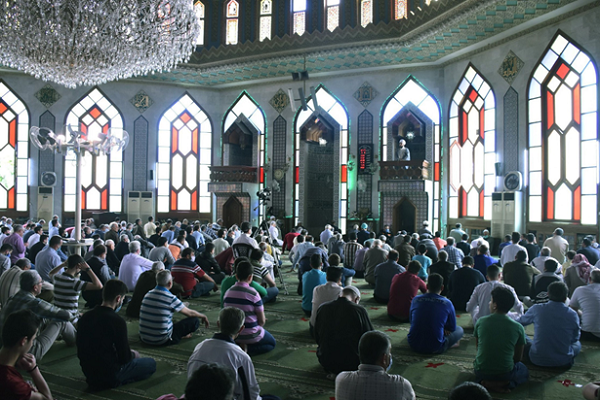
[[133, 265], [209, 382], [338, 328], [482, 260], [162, 253], [586, 301], [403, 290], [556, 339], [519, 274], [103, 349], [222, 349], [18, 335], [443, 268], [310, 280], [261, 273], [384, 273], [9, 283], [206, 260], [500, 342], [540, 283], [242, 296], [545, 254], [373, 257], [98, 265], [156, 315], [48, 259], [423, 259], [471, 391], [433, 328], [188, 274], [347, 273], [478, 305], [371, 381], [462, 282], [231, 280], [322, 294], [55, 321]]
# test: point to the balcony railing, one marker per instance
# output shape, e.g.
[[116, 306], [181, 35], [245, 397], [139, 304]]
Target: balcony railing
[[234, 174], [394, 170]]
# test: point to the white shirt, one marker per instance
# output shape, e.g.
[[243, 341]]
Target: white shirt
[[2, 237], [587, 298], [230, 355], [322, 294], [246, 239], [558, 247], [274, 234], [149, 229], [510, 251], [371, 382], [132, 267], [220, 245], [479, 303], [539, 261], [33, 239]]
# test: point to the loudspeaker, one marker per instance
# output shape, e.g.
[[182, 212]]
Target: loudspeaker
[[513, 181], [48, 179], [151, 175], [498, 166]]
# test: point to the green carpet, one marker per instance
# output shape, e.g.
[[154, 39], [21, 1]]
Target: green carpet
[[292, 371]]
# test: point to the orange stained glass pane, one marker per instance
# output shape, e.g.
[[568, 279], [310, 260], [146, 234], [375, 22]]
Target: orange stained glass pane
[[577, 204], [173, 200], [105, 129], [104, 204], [12, 133], [463, 202], [195, 200], [2, 108], [83, 200], [185, 117], [465, 127], [95, 112], [481, 203], [473, 95], [297, 175], [83, 128], [261, 175], [550, 204], [195, 140], [481, 124], [577, 103], [174, 141], [550, 108], [11, 198], [344, 177], [563, 70], [436, 171]]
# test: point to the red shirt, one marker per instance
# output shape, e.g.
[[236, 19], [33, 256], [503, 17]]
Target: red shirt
[[288, 240], [439, 243], [403, 290], [225, 260], [185, 273], [12, 384]]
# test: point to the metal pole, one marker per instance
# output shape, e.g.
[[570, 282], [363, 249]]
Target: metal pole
[[77, 199]]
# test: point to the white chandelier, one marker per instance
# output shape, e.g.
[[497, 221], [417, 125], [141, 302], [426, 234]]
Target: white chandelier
[[89, 42]]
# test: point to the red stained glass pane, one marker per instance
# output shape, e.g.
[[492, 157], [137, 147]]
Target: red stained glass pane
[[105, 129], [105, 199], [577, 204], [174, 142], [261, 175], [94, 112], [550, 108], [465, 128], [462, 198], [185, 117], [550, 204], [563, 71], [2, 108], [344, 177], [481, 124], [296, 175], [83, 128], [481, 204], [173, 200], [473, 95], [577, 104], [12, 133], [195, 141], [82, 200], [11, 198], [195, 200], [436, 171]]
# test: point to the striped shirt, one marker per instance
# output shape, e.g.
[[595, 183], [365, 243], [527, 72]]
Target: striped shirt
[[9, 284], [156, 315], [242, 296], [350, 250], [185, 273], [66, 292]]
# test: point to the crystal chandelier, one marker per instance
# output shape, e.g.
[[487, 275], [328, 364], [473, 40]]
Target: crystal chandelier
[[89, 42]]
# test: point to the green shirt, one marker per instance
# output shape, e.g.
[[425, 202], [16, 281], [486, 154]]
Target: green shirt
[[497, 336], [230, 281]]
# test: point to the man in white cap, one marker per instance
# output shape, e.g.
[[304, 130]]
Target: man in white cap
[[558, 245]]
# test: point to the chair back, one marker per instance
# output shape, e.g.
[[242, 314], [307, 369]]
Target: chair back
[[242, 250]]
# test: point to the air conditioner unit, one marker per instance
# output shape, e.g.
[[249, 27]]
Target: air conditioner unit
[[140, 205], [45, 204], [507, 213]]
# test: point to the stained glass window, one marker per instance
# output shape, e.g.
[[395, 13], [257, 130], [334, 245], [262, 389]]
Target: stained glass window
[[400, 9], [101, 175], [472, 147], [333, 14], [563, 138], [266, 11], [299, 16], [366, 12], [246, 106], [199, 9], [184, 158], [14, 143], [412, 92], [231, 27], [332, 106]]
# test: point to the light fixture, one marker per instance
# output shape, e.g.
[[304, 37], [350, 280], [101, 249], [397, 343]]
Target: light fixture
[[90, 42]]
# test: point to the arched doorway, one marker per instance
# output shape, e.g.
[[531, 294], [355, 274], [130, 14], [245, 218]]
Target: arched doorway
[[233, 212], [405, 216]]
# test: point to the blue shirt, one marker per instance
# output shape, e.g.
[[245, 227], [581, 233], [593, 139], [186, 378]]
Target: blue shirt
[[311, 280], [45, 261], [430, 314], [170, 235], [199, 238], [482, 261], [425, 263], [556, 331]]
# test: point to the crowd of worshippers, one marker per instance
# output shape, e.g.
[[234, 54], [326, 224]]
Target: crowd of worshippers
[[156, 266]]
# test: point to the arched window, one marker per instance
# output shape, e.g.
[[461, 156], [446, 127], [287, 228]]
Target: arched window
[[400, 9], [246, 107], [14, 143], [299, 16], [184, 158], [472, 147], [101, 175], [411, 95], [231, 26], [199, 9], [266, 15], [334, 108], [366, 12], [563, 136], [332, 11]]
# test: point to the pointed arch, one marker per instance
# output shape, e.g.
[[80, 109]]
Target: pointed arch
[[200, 14], [331, 108], [472, 143], [102, 175], [184, 158], [563, 135], [412, 94], [14, 151]]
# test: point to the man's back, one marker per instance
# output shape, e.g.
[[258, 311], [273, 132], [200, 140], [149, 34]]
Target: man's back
[[372, 382], [519, 275], [478, 304], [430, 315], [156, 315], [350, 250], [384, 273], [587, 298], [558, 247], [461, 284], [497, 336], [45, 261], [9, 284], [403, 290], [373, 257], [590, 253], [338, 329], [406, 252]]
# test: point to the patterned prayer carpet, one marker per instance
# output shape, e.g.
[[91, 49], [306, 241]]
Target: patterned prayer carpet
[[292, 371]]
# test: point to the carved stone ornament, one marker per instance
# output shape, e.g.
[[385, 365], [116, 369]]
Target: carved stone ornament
[[141, 101], [365, 94], [47, 96], [511, 66], [279, 101]]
